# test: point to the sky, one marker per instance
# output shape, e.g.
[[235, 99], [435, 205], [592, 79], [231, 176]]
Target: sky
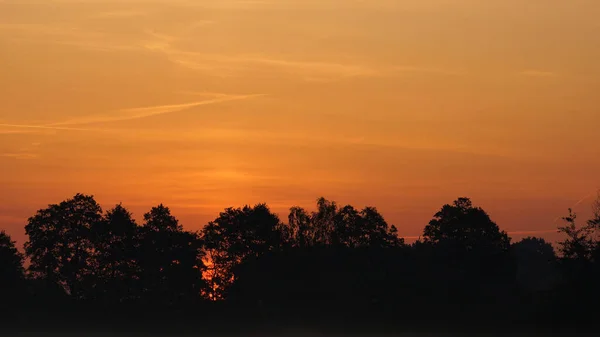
[[204, 104]]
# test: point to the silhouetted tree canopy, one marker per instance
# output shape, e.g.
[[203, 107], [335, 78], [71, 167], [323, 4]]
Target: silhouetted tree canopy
[[115, 239], [237, 234], [579, 243], [170, 260], [346, 226], [332, 263], [537, 264], [61, 245], [12, 272], [463, 227]]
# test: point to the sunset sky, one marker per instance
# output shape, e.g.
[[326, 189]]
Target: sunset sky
[[205, 104]]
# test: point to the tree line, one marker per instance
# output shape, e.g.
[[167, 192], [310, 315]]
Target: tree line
[[336, 262]]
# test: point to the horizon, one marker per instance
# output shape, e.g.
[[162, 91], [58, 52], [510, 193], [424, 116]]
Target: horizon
[[552, 235], [401, 105]]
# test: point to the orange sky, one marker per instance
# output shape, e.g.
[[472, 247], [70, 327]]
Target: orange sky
[[204, 104]]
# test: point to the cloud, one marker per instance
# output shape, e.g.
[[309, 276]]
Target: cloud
[[427, 70], [311, 70], [545, 231], [20, 155], [16, 132], [321, 71], [538, 73], [41, 127], [66, 34], [137, 113], [582, 199], [120, 14], [123, 114]]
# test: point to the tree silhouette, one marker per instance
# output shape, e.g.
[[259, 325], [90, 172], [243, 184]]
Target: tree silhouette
[[170, 260], [346, 227], [299, 232], [468, 258], [337, 257], [463, 227], [238, 233], [333, 263], [12, 273], [61, 247], [579, 243], [580, 267], [115, 242], [11, 261], [536, 264], [323, 221]]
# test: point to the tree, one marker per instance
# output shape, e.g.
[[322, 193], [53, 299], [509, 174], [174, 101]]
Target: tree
[[237, 234], [376, 232], [366, 228], [593, 224], [342, 227], [170, 260], [115, 242], [579, 243], [536, 264], [12, 273], [160, 219], [323, 221], [299, 232], [467, 255], [12, 279], [462, 227], [347, 228], [60, 244]]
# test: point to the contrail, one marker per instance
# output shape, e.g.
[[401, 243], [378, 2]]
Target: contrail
[[129, 114], [578, 203], [534, 232], [137, 113], [44, 127], [583, 199]]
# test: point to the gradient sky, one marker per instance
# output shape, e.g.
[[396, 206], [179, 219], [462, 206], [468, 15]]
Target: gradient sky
[[204, 104]]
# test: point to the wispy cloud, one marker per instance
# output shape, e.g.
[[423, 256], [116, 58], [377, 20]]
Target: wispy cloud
[[227, 65], [120, 14], [579, 202], [137, 113], [67, 34], [19, 155], [524, 232], [16, 132], [311, 70], [538, 73], [41, 127], [427, 70]]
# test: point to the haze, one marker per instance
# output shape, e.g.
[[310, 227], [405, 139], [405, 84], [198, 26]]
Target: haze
[[205, 104]]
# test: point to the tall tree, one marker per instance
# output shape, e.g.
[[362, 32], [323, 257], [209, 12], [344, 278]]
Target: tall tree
[[323, 221], [12, 279], [365, 228], [468, 256], [579, 243], [115, 242], [12, 273], [238, 233], [536, 264], [170, 259], [60, 243], [376, 232], [299, 231], [463, 227]]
